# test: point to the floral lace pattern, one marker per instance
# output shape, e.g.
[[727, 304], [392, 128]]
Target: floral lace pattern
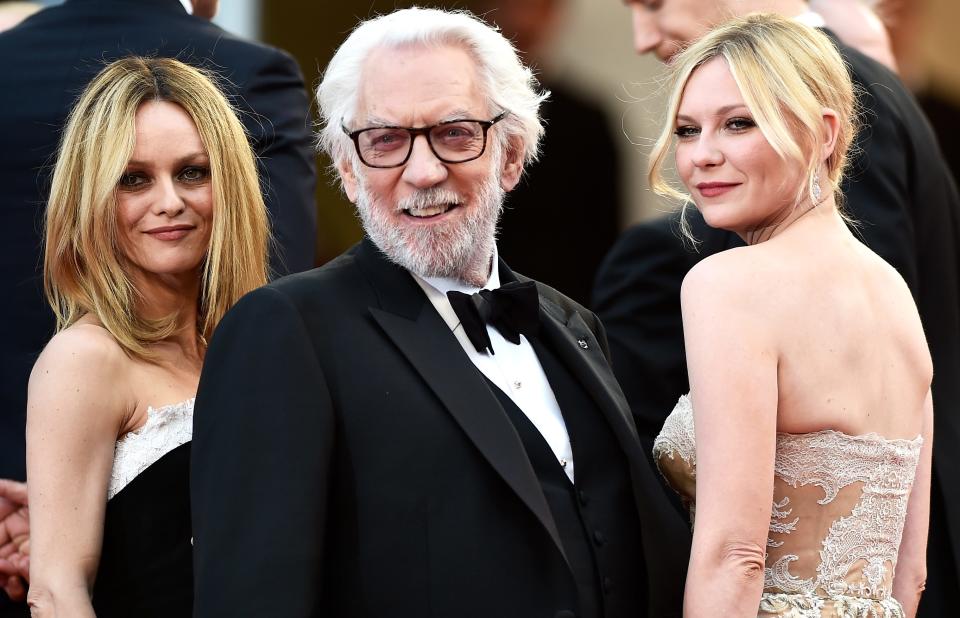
[[167, 427], [858, 553], [811, 606]]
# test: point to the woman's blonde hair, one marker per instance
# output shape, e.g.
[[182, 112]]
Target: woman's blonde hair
[[84, 268], [787, 73]]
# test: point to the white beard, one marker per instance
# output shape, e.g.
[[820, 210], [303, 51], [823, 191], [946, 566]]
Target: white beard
[[460, 249]]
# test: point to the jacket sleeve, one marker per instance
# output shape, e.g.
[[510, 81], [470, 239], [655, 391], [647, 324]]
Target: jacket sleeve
[[261, 455], [279, 127], [637, 296]]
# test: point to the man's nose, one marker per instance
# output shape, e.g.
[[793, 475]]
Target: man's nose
[[646, 31], [423, 169]]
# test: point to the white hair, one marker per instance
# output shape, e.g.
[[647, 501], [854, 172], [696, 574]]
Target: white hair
[[507, 84]]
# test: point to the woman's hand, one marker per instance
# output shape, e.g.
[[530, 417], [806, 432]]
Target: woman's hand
[[14, 539]]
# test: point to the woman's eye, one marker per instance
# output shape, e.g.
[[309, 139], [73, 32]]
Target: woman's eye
[[194, 174], [686, 131], [740, 124], [132, 180]]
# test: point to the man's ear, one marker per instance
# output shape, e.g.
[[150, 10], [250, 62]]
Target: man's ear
[[831, 130], [512, 166], [348, 177]]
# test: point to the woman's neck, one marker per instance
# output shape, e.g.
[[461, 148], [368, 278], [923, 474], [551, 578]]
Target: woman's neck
[[790, 218], [162, 296]]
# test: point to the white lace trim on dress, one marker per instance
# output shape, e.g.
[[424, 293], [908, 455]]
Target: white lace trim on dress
[[167, 427]]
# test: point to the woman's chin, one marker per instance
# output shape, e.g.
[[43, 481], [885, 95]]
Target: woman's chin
[[717, 219]]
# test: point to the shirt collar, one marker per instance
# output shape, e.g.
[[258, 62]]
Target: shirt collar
[[436, 289], [812, 19]]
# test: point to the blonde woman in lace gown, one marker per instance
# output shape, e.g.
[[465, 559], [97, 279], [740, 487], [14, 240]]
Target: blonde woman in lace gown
[[154, 228], [803, 449]]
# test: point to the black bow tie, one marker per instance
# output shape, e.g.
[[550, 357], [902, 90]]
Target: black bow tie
[[513, 309]]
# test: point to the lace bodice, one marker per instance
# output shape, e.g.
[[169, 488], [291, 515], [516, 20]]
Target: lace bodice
[[167, 427], [837, 515]]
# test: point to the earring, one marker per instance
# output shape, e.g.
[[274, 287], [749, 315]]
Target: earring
[[815, 191]]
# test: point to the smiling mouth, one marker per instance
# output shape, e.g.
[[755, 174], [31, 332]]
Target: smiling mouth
[[713, 189], [430, 212], [171, 232]]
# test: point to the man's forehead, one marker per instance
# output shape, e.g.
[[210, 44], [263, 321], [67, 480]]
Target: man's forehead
[[419, 83]]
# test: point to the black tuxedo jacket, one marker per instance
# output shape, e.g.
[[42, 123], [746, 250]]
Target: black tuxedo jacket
[[350, 460], [900, 191], [47, 61]]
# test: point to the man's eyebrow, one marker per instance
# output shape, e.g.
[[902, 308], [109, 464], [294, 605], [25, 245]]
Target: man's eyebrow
[[453, 116], [458, 114], [376, 121]]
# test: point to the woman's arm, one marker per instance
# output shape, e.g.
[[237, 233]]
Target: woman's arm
[[733, 379], [911, 573], [73, 417]]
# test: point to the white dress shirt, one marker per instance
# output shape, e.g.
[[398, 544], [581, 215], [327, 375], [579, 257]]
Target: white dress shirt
[[515, 369]]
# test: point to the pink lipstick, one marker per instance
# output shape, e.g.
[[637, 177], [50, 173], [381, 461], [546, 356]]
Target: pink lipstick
[[713, 189], [170, 232]]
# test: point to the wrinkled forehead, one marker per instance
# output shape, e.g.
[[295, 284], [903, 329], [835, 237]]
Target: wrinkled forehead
[[417, 85]]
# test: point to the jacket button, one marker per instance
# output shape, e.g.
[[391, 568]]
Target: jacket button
[[607, 585], [564, 613], [599, 538], [582, 495]]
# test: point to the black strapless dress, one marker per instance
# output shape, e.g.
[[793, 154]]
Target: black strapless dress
[[146, 566]]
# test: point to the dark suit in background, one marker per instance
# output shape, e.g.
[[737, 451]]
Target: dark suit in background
[[562, 218], [47, 61], [900, 190], [350, 460]]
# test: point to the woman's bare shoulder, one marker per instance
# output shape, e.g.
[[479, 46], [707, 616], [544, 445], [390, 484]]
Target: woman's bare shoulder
[[82, 361], [84, 345], [735, 275]]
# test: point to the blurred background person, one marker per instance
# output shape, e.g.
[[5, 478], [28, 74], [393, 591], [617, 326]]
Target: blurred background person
[[577, 178], [905, 201], [12, 12], [857, 25], [154, 228], [47, 61]]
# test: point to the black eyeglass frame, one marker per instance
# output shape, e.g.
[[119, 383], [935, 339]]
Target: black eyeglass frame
[[425, 132]]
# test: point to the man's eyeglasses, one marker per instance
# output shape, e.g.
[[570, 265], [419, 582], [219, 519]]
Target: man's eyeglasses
[[455, 141]]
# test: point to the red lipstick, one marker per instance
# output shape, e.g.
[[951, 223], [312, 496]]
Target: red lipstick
[[713, 189]]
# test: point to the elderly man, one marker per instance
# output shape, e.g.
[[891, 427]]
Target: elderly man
[[414, 429], [908, 211]]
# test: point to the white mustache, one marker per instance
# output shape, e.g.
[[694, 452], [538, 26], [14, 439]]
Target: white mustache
[[429, 198]]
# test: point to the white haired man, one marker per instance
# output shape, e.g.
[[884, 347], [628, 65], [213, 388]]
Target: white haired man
[[359, 449]]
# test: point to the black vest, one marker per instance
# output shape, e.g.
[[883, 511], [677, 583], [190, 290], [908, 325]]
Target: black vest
[[596, 517]]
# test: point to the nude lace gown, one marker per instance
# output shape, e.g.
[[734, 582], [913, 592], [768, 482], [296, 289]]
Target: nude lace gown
[[837, 515]]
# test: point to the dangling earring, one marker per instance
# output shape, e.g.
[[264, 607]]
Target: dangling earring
[[815, 191]]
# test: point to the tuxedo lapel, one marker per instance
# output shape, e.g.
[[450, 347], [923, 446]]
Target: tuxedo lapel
[[572, 340], [413, 325], [574, 343]]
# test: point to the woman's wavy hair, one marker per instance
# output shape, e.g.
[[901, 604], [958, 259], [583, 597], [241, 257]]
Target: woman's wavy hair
[[85, 270], [787, 73]]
